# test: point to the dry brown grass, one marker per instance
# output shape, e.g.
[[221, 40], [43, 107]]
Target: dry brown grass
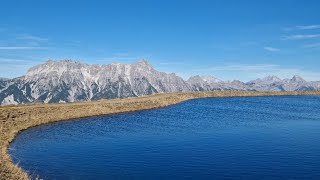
[[14, 119]]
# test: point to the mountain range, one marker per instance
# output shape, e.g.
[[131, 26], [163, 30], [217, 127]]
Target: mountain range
[[71, 81]]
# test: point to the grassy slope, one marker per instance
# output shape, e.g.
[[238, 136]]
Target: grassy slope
[[14, 119]]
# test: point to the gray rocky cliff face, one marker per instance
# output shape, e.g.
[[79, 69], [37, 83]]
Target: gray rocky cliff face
[[70, 81]]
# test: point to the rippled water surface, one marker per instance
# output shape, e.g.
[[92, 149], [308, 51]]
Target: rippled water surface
[[248, 138]]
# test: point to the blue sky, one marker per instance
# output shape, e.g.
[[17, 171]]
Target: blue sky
[[239, 39]]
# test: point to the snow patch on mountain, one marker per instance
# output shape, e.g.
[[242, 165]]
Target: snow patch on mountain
[[70, 81], [9, 100]]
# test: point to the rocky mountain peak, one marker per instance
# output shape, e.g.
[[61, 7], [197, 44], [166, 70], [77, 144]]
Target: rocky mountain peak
[[143, 62], [194, 79], [211, 79], [297, 78], [271, 79], [267, 80], [55, 66], [62, 62]]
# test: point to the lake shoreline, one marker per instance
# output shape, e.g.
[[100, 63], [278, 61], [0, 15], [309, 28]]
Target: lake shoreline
[[14, 119]]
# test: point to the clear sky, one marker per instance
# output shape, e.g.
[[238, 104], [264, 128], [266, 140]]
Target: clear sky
[[229, 39]]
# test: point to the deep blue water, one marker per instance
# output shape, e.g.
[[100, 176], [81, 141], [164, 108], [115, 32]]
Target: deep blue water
[[218, 138]]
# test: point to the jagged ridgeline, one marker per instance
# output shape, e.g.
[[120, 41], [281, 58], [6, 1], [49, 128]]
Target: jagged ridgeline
[[70, 81]]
